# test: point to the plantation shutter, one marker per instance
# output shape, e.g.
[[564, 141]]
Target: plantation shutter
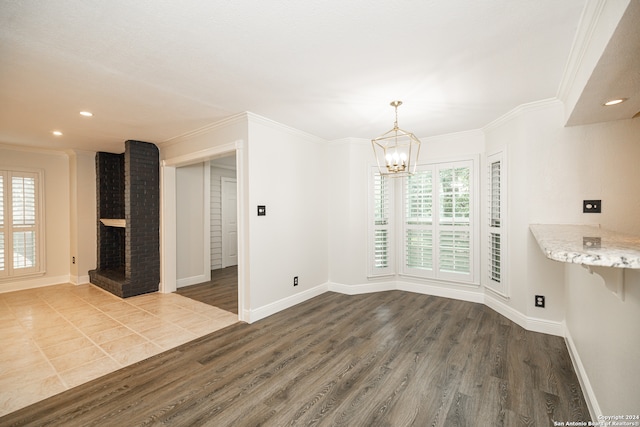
[[19, 223], [381, 244], [418, 221], [23, 204], [495, 224], [454, 221]]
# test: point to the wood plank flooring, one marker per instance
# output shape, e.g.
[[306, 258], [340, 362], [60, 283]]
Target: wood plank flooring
[[221, 291], [382, 359]]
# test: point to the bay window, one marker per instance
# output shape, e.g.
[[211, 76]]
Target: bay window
[[437, 230]]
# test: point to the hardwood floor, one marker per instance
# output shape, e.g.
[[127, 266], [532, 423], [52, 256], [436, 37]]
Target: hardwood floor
[[382, 359], [221, 291]]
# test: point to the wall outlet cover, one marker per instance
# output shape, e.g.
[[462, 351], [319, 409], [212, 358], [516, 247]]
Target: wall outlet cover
[[592, 206]]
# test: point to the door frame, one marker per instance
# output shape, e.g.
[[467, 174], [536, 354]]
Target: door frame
[[168, 217]]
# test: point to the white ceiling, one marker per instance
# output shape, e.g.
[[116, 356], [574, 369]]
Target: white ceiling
[[155, 69]]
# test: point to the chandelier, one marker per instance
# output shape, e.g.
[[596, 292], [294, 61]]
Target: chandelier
[[397, 150]]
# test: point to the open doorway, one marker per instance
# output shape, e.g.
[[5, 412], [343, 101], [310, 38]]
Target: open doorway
[[218, 239]]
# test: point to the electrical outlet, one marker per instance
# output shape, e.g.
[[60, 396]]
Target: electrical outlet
[[592, 206], [73, 260], [540, 301], [295, 281]]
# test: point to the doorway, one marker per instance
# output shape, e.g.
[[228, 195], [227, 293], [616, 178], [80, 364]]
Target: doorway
[[213, 213], [168, 245]]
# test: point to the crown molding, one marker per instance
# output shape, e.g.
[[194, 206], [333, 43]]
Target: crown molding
[[227, 121], [255, 118], [74, 152], [31, 149], [581, 44], [453, 136], [349, 141], [520, 110]]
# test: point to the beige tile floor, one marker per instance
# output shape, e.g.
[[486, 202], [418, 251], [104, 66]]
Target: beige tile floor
[[57, 337]]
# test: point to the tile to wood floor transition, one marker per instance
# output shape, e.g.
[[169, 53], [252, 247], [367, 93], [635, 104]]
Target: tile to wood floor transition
[[57, 337]]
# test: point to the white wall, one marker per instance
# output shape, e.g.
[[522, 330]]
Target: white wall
[[347, 210], [57, 230], [536, 193], [192, 230], [83, 233], [603, 331], [553, 168], [287, 174]]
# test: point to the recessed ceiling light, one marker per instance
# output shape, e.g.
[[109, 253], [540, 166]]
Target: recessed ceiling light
[[86, 113], [57, 133], [614, 101]]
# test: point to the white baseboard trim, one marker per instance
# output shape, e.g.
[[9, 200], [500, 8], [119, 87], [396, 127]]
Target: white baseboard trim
[[34, 283], [79, 280], [464, 294], [529, 323], [193, 280], [439, 291], [365, 288], [277, 306], [583, 378]]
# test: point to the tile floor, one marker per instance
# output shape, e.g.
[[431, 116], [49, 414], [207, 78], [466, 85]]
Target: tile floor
[[57, 337]]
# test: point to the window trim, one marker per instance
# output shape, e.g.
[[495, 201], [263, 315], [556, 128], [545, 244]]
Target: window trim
[[40, 268]]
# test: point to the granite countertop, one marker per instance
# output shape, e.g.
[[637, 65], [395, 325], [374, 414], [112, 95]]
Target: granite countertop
[[588, 245]]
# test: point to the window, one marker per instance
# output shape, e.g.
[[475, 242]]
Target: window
[[20, 234], [437, 222], [455, 220], [436, 232], [495, 236], [381, 246], [418, 221]]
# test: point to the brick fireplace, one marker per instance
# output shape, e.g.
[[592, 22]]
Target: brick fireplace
[[128, 208]]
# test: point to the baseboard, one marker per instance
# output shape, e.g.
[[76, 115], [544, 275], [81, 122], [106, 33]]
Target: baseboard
[[583, 378], [471, 295], [34, 283], [434, 289], [193, 280], [79, 280], [464, 294], [534, 324], [276, 306], [365, 288]]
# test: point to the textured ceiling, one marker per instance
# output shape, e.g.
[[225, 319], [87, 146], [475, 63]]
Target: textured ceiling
[[155, 69]]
